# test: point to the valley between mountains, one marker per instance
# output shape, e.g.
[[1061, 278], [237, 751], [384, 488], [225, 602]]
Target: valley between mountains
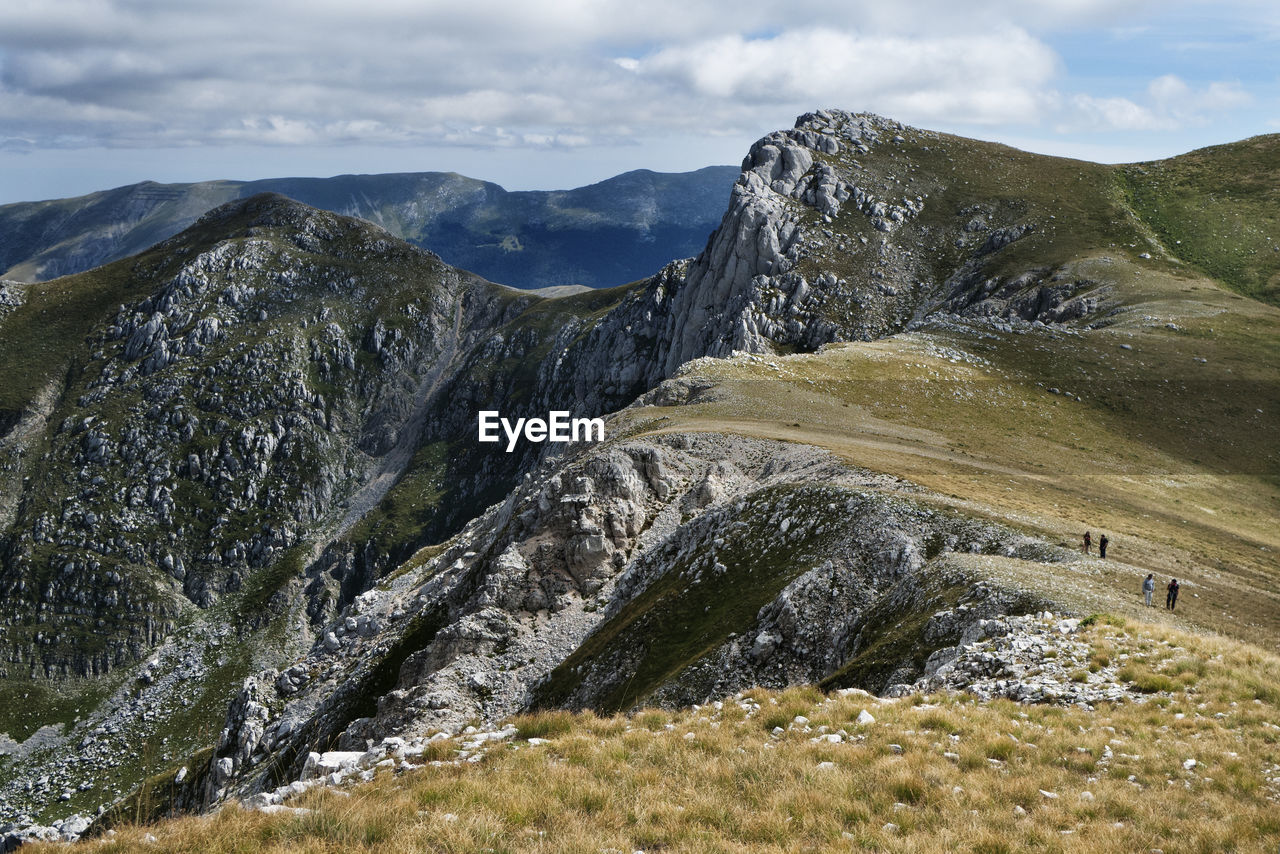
[[252, 548]]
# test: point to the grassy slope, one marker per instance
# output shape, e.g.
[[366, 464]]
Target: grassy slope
[[40, 338], [1181, 475], [1219, 209], [1079, 211], [716, 780]]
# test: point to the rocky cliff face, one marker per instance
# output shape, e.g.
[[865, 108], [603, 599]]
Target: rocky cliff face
[[244, 459], [823, 242], [212, 424], [672, 570]]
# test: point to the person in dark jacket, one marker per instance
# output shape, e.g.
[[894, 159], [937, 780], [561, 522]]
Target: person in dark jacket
[[1088, 541], [1102, 546], [1171, 598]]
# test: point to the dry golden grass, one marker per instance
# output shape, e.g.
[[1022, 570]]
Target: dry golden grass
[[642, 782]]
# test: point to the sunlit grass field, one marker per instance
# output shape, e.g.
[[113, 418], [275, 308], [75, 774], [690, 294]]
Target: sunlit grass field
[[1167, 439], [931, 773]]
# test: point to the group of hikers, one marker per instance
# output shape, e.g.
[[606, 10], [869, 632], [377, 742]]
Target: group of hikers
[[1148, 584], [1149, 587], [1103, 542]]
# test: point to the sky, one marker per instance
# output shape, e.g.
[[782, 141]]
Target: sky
[[552, 94]]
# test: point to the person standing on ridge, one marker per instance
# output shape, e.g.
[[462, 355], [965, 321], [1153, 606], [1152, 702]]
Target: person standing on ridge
[[1171, 598], [1088, 541], [1102, 546], [1148, 587]]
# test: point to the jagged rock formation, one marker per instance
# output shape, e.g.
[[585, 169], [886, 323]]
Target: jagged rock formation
[[822, 244], [746, 292], [1033, 658], [10, 296], [616, 550]]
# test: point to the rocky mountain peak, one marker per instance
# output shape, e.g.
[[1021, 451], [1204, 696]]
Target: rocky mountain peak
[[273, 216], [269, 209], [852, 226], [745, 292]]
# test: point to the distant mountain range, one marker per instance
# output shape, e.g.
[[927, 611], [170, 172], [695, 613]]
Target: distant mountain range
[[611, 233]]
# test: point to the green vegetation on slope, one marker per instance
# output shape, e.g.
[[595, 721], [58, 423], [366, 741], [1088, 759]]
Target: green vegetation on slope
[[1217, 208], [395, 525], [40, 338]]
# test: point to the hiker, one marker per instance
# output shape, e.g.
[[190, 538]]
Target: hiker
[[1102, 546], [1148, 587], [1171, 598], [1088, 541]]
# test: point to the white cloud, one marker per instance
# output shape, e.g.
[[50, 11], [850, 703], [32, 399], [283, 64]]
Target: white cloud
[[1115, 113], [297, 72], [1171, 104], [982, 78], [1172, 95], [561, 75]]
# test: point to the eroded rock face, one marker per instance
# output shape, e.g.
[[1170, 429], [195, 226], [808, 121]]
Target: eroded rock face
[[10, 296], [616, 544], [726, 304], [213, 425]]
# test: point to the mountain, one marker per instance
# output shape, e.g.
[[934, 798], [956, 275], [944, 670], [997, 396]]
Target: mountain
[[250, 519], [609, 233]]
